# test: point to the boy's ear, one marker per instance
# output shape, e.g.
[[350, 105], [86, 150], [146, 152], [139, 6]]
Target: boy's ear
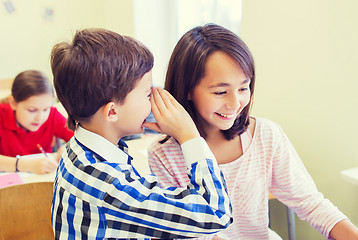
[[110, 112], [12, 102]]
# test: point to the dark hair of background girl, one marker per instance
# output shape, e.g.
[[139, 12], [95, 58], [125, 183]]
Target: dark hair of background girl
[[187, 67], [30, 83]]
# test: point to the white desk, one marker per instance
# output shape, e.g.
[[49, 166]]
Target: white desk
[[138, 150], [350, 175], [31, 177]]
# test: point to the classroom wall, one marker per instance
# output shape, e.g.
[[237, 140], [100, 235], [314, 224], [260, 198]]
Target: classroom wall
[[306, 56], [29, 33]]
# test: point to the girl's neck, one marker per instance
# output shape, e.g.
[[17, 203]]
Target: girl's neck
[[215, 136], [224, 150]]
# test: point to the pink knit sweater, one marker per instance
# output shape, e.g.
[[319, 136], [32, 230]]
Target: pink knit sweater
[[269, 164]]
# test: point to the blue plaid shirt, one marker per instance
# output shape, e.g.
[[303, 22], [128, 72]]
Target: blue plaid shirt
[[99, 195]]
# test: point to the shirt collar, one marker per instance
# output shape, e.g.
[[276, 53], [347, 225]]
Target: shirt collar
[[102, 146]]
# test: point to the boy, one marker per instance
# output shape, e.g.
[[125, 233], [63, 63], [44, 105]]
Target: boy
[[104, 82]]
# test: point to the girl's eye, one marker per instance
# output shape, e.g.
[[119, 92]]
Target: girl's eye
[[244, 89], [220, 93], [31, 110]]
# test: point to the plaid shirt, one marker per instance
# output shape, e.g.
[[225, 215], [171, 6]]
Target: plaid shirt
[[99, 195]]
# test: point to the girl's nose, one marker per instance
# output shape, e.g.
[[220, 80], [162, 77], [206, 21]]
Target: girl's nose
[[39, 115], [233, 101]]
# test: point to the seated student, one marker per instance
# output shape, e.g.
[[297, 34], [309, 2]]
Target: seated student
[[28, 125], [212, 74], [104, 82]]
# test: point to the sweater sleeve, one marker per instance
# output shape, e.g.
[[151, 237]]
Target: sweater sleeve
[[167, 163], [293, 185]]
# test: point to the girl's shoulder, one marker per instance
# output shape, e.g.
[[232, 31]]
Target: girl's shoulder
[[5, 109], [264, 126], [4, 106]]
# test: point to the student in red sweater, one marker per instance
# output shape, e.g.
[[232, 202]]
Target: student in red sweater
[[28, 125]]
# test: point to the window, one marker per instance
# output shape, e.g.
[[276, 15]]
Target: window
[[160, 23]]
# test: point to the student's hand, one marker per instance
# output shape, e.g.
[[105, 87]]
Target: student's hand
[[172, 119], [38, 165]]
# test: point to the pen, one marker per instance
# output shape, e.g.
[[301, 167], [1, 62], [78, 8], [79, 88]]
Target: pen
[[41, 149]]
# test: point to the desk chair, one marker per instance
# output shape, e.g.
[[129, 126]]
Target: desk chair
[[25, 211], [290, 220]]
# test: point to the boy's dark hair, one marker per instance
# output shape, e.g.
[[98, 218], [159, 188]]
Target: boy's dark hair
[[30, 83], [99, 66], [187, 67]]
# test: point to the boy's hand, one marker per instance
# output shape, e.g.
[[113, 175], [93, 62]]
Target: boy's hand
[[172, 118]]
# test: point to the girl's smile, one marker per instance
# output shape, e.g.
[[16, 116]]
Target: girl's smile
[[226, 116]]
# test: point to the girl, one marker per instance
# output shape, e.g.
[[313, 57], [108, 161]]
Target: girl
[[28, 125], [211, 73]]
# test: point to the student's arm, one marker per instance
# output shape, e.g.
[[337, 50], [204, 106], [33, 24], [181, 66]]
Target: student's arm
[[292, 185], [344, 230], [34, 165], [203, 207], [7, 164]]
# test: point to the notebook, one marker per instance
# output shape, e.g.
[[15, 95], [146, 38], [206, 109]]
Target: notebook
[[10, 179]]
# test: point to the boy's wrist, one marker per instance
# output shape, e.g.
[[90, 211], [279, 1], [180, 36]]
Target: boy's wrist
[[195, 150], [186, 137]]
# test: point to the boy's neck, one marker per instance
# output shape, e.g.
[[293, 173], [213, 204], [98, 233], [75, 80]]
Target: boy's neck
[[101, 127]]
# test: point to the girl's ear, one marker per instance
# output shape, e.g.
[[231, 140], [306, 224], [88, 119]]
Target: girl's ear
[[110, 112], [189, 96], [12, 102]]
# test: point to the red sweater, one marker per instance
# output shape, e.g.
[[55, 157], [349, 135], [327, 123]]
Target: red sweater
[[15, 140]]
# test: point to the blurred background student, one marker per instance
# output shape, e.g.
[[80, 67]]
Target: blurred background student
[[29, 124]]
